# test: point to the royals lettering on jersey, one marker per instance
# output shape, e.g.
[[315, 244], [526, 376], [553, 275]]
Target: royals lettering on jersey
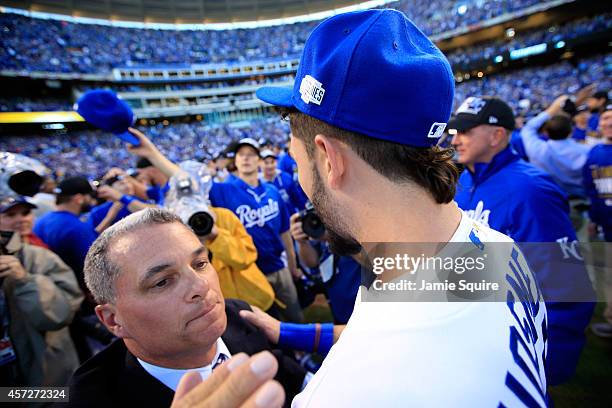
[[263, 213], [250, 217], [521, 201]]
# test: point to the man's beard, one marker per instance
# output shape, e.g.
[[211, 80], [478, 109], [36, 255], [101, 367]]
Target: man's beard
[[340, 241]]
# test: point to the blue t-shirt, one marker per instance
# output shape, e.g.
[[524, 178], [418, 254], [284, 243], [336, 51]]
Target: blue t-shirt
[[263, 213], [68, 237], [97, 214], [158, 194], [579, 134], [597, 174], [288, 165], [341, 276], [521, 201], [593, 123], [294, 197]]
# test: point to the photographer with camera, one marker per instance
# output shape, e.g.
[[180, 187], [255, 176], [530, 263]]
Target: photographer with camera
[[340, 275], [261, 211], [39, 296], [231, 247]]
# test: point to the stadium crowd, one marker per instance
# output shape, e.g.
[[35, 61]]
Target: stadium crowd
[[464, 57], [58, 46], [527, 90], [97, 264]]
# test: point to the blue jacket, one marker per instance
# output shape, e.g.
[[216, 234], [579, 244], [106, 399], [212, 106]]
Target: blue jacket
[[263, 213], [521, 201], [597, 176]]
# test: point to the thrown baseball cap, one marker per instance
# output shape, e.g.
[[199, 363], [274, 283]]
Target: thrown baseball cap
[[9, 202], [103, 109], [486, 110], [375, 73], [74, 185], [247, 141]]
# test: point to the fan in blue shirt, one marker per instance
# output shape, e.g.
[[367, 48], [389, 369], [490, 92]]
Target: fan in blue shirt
[[503, 192], [292, 193], [63, 231]]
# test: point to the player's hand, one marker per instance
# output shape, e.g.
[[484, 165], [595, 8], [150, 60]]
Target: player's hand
[[109, 193], [265, 322], [10, 266], [145, 149], [240, 382], [295, 227]]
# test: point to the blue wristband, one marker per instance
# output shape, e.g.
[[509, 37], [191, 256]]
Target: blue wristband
[[307, 337], [126, 199]]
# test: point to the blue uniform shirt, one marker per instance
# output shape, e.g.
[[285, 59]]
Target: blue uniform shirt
[[158, 194], [263, 213], [521, 201], [68, 237], [290, 191], [598, 185], [288, 165], [97, 214]]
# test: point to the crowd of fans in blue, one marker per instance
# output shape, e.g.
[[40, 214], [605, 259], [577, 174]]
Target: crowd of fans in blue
[[59, 46]]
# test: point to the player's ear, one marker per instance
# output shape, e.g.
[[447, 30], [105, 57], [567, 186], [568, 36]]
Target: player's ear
[[333, 156]]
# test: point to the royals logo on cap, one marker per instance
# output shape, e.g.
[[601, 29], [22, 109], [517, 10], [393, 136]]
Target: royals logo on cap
[[311, 90]]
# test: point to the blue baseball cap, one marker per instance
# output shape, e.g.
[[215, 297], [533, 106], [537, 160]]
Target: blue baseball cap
[[7, 203], [372, 72], [103, 109]]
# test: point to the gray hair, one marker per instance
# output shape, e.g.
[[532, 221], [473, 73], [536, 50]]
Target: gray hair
[[100, 271]]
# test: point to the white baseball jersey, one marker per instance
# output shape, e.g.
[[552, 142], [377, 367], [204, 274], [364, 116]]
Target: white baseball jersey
[[438, 354]]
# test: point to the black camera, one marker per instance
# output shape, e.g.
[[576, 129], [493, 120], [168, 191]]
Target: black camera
[[201, 223], [311, 223]]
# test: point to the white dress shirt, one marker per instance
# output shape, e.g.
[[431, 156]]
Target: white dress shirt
[[170, 377]]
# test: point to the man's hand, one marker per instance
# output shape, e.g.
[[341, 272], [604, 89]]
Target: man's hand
[[265, 322], [240, 382], [11, 267], [109, 193], [584, 93], [214, 232], [146, 148], [557, 106], [295, 227], [114, 172]]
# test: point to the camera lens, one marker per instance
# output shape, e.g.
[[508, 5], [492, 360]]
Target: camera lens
[[25, 183], [312, 224], [201, 223]]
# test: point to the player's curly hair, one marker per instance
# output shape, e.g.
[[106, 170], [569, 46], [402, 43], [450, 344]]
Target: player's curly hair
[[431, 168]]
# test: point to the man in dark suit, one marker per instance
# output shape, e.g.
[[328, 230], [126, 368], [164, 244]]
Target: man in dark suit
[[159, 294]]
